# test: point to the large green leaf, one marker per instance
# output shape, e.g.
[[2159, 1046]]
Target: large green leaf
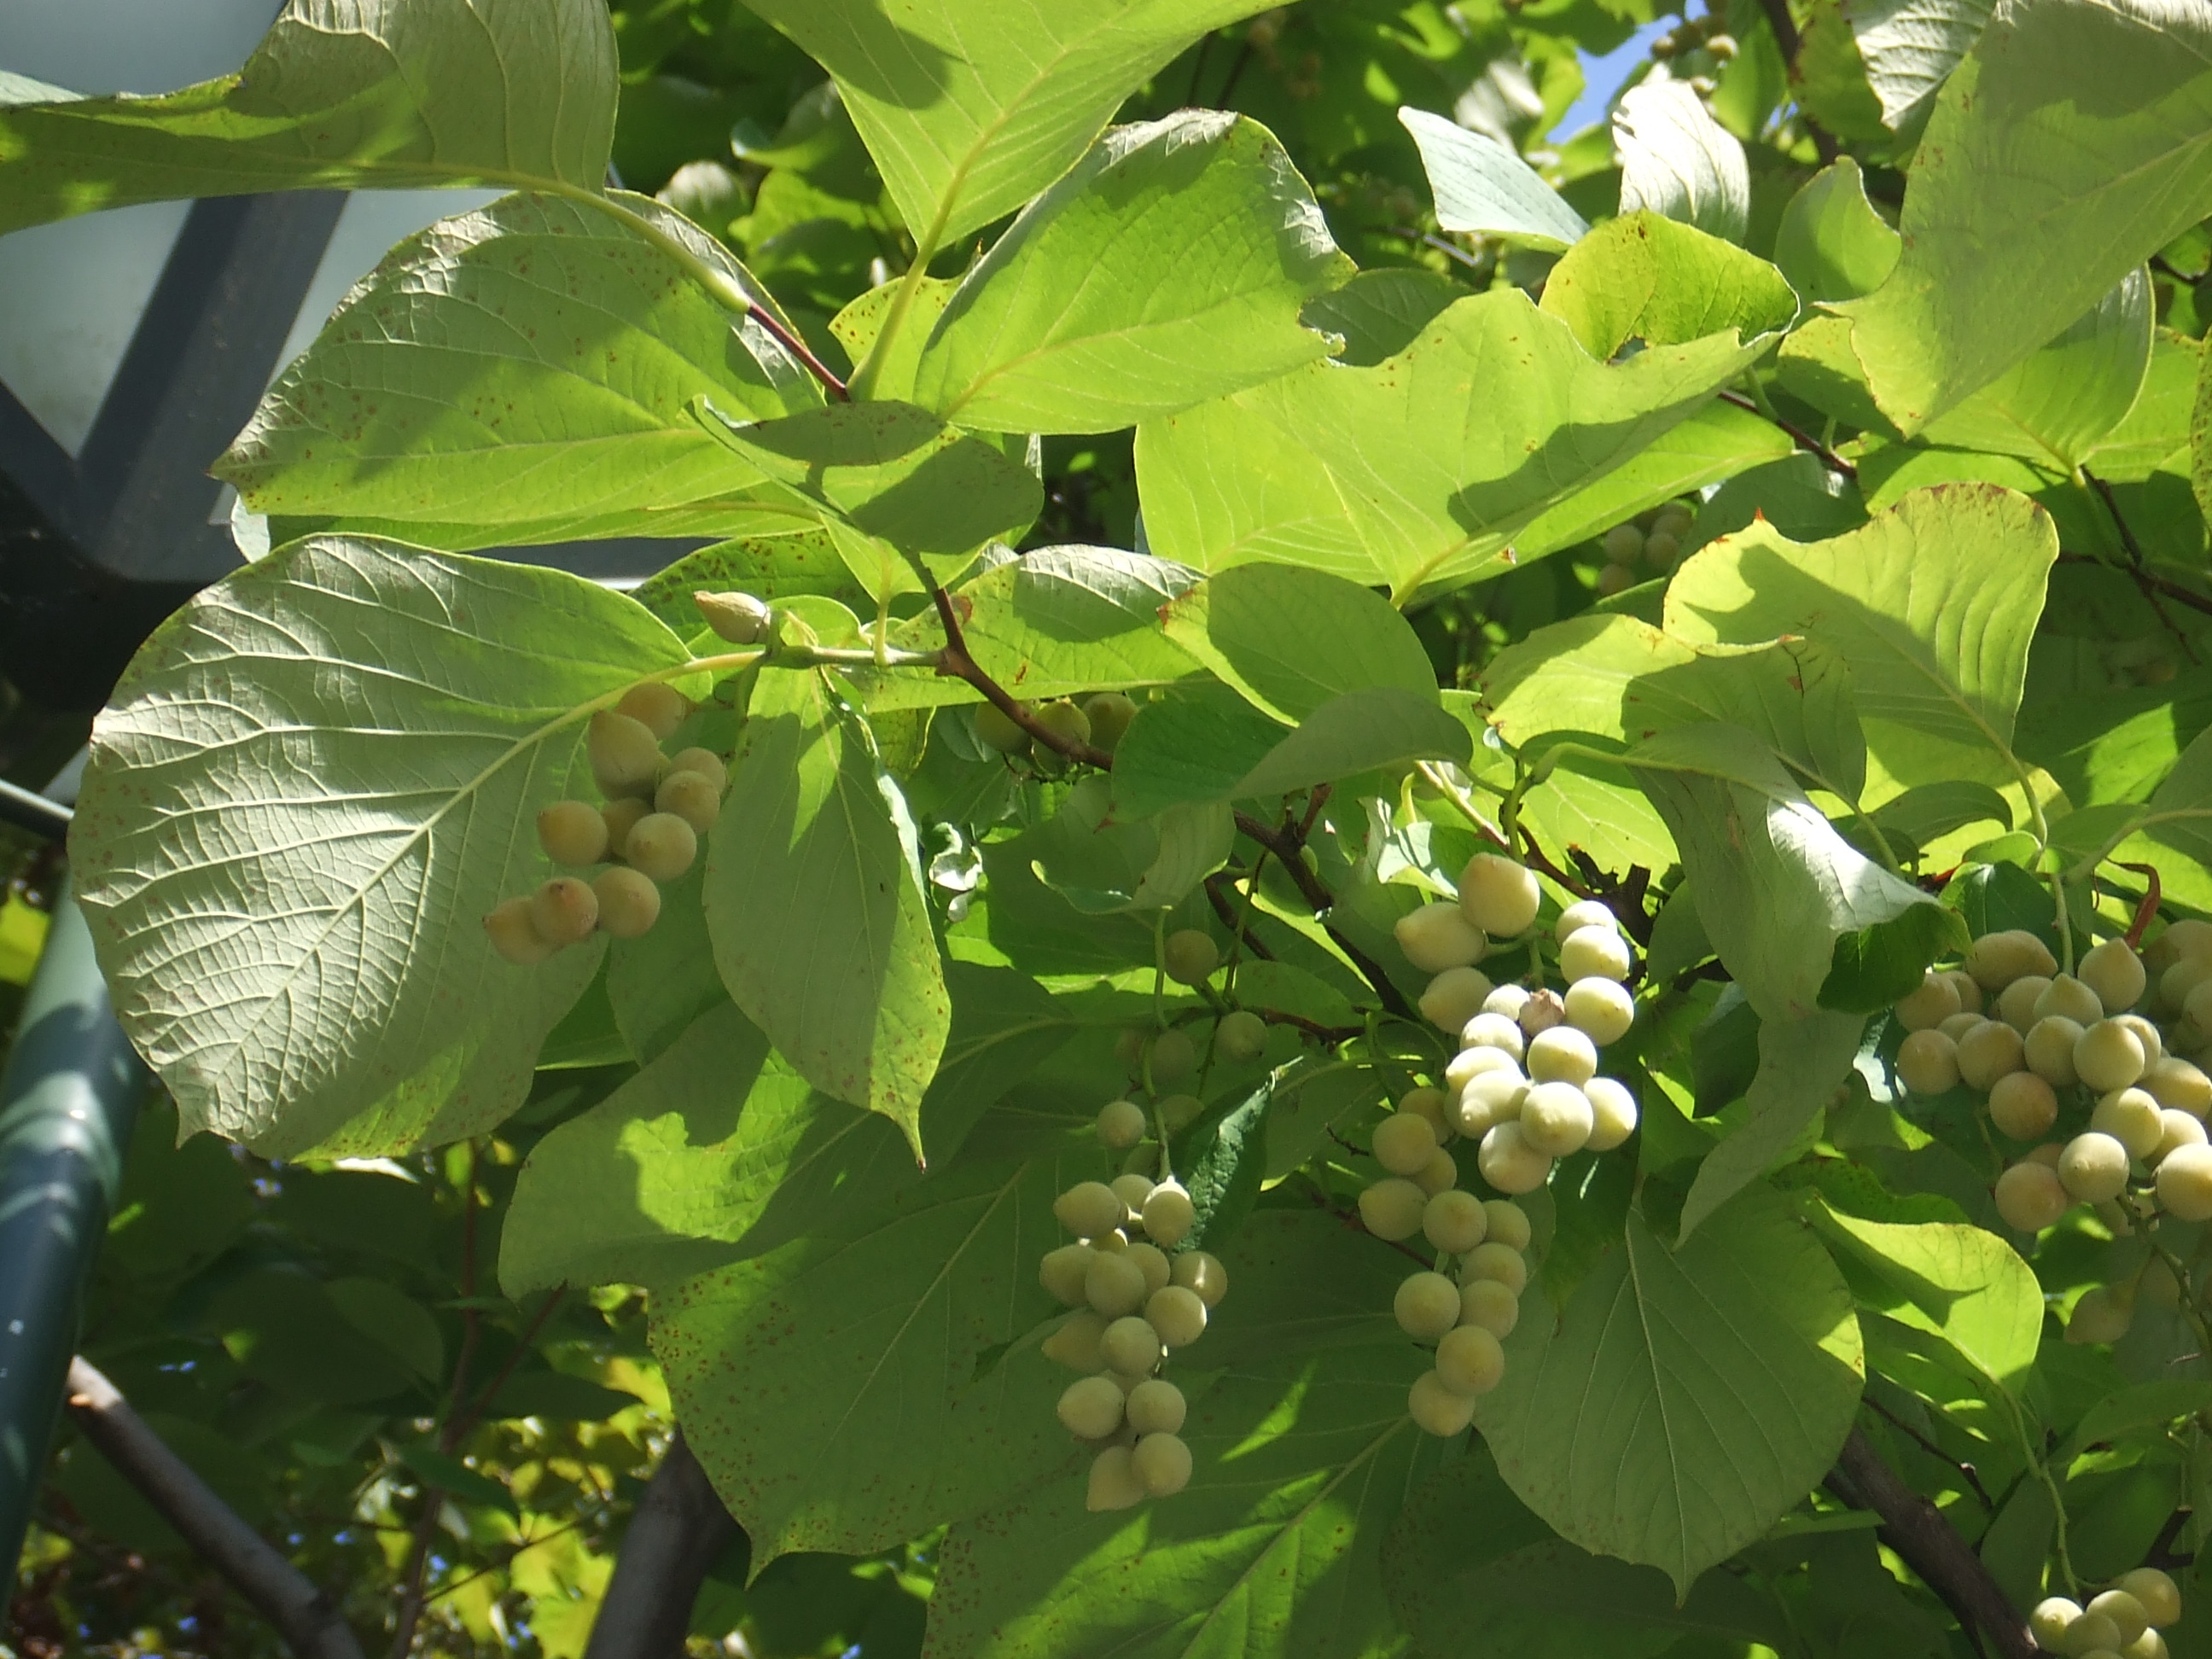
[[2173, 829], [1271, 1552], [1482, 185], [1644, 276], [719, 1149], [1161, 764], [1473, 1573], [340, 94], [516, 374], [2055, 407], [890, 482], [1623, 680], [848, 1391], [1419, 469], [1964, 1283], [1103, 860], [2074, 142], [1683, 1400], [1290, 640], [1775, 885], [971, 111], [1676, 160], [1802, 1062], [311, 785], [2200, 438], [816, 904], [1055, 620], [1167, 268], [1831, 245], [1932, 604], [1910, 46]]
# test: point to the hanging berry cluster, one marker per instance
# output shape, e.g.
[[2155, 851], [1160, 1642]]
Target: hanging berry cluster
[[1523, 1086], [1134, 1306], [647, 832]]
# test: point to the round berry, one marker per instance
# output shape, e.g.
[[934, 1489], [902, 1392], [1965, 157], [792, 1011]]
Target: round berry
[[1404, 1142], [624, 754], [1493, 1098], [1490, 1304], [1612, 1113], [564, 910], [514, 936], [1090, 1407], [1453, 1222], [661, 845], [1174, 1056], [1439, 1175], [1392, 1208], [1433, 1104], [1469, 1360], [1437, 937], [1454, 997], [689, 796], [1498, 1261], [1089, 1208], [1593, 953], [1601, 1008], [2124, 1610], [1426, 1306], [1562, 1054], [1492, 1032], [2131, 1117], [2116, 974], [1152, 1263], [2049, 1051], [1113, 1285], [704, 761], [1509, 1223], [1195, 1270], [1191, 956], [1114, 1483], [1120, 1125], [2176, 1083], [1996, 960], [1177, 1315], [1500, 896], [2023, 1106], [2068, 996], [2051, 1620], [1169, 1214], [1556, 1118], [1990, 1051], [1109, 713], [1074, 1341], [629, 902], [1936, 1001], [1155, 1406], [2180, 1130], [2109, 1056], [1163, 1462], [997, 730], [1240, 1036], [2094, 1167], [1131, 1345], [572, 832], [2184, 1183], [1928, 1063], [1509, 1162], [1435, 1409], [1584, 913], [2031, 1197], [1062, 1272], [659, 708], [2159, 1595]]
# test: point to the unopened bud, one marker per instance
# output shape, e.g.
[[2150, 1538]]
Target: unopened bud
[[737, 618]]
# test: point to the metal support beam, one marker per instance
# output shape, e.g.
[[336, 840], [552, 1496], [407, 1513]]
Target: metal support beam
[[69, 1098]]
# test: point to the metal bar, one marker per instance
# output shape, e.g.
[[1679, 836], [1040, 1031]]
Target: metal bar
[[69, 1096], [33, 812]]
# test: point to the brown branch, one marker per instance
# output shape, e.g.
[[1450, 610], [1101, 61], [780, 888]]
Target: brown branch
[[955, 662], [1331, 1034], [2148, 581], [1917, 1530], [2161, 1553], [798, 348], [678, 1529], [1966, 1471], [302, 1614], [1804, 440], [475, 1413], [1289, 846], [2148, 907]]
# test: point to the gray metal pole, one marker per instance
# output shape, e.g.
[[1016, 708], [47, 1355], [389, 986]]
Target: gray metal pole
[[68, 1099]]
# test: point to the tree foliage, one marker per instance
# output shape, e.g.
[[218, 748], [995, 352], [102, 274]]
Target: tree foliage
[[1234, 596]]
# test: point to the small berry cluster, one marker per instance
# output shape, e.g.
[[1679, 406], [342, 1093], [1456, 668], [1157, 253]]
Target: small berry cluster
[[1523, 1120], [1099, 721], [1133, 1305], [1656, 538], [2122, 1623], [657, 807], [2052, 1043]]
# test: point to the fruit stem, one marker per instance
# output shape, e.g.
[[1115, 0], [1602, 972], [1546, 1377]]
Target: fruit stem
[[954, 662], [2154, 895]]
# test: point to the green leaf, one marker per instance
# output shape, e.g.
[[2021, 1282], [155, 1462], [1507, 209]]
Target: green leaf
[[1721, 1378], [1618, 678], [1380, 312], [1052, 622], [1801, 1063], [719, 1149], [2055, 408], [969, 114], [1271, 1552], [449, 1475], [1598, 809], [1644, 276], [1832, 244], [352, 741], [1678, 162], [658, 983], [1797, 495], [859, 324], [1221, 1159], [1933, 811], [878, 1424], [802, 561], [1104, 860], [386, 93], [1720, 441], [2067, 148], [1471, 1572], [1167, 268], [1963, 1283], [1291, 639], [1398, 475], [1932, 604], [2200, 438], [2174, 829], [1380, 728], [906, 481], [1874, 967], [1303, 1283], [816, 905], [1480, 184], [1910, 46], [517, 374], [558, 1397], [1775, 884], [394, 1321]]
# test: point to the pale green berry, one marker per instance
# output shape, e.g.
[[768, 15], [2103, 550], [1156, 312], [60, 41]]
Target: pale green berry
[[2069, 996], [1162, 1463], [1131, 1346], [1928, 1063], [1487, 1031], [690, 797], [1176, 1314], [1561, 1054], [1113, 1284], [2049, 1051], [1432, 1104], [2184, 1183], [1155, 1406], [1500, 896], [1509, 1223], [2109, 1056], [1426, 1306], [514, 936], [2176, 1083], [1074, 1341], [2093, 1166], [624, 753], [657, 705], [629, 902], [704, 761], [1936, 1001], [661, 845], [1153, 1263], [1996, 960], [2159, 1595], [1584, 913], [1404, 1142], [1593, 953], [1195, 1270], [1601, 1008], [572, 832], [1241, 1035], [1556, 1118], [1435, 1409], [1169, 1214], [1191, 956], [1437, 937], [1392, 1208], [1062, 1272], [1114, 1483], [1490, 1304], [2017, 1002], [1990, 1051], [1453, 1222], [1120, 1125], [1090, 1407], [1454, 997], [2031, 1197], [1509, 1162], [2023, 1106], [1469, 1360], [2102, 1314], [1612, 1113], [564, 910], [1498, 1261], [1089, 1208]]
